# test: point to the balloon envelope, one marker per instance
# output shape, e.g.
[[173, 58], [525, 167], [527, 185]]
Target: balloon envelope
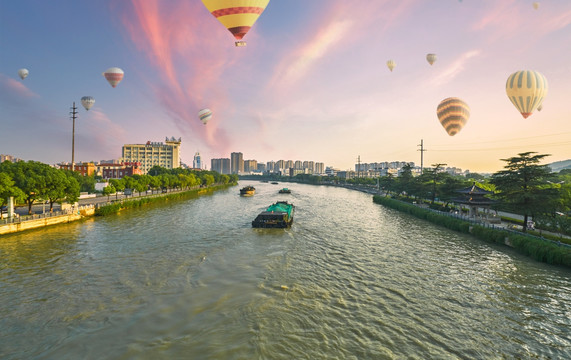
[[114, 76], [536, 5], [453, 114], [238, 16], [23, 73], [391, 64], [87, 102], [205, 115], [526, 89], [431, 58]]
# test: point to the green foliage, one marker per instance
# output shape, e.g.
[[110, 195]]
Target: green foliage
[[522, 185], [114, 208], [538, 249]]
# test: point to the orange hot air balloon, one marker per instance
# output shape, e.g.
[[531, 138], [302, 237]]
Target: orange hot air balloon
[[238, 16], [453, 114]]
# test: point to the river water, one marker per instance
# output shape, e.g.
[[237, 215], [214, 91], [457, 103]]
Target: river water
[[351, 279]]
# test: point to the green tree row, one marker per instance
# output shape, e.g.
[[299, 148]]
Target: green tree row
[[30, 182], [159, 178]]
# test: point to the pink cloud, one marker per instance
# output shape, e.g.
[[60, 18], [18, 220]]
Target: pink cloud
[[455, 68], [183, 42], [14, 86], [342, 21]]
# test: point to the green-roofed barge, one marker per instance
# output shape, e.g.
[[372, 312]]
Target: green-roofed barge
[[278, 215]]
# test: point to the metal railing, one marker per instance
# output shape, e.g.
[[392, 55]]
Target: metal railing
[[24, 218]]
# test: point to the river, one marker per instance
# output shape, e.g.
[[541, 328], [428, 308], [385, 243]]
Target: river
[[192, 279]]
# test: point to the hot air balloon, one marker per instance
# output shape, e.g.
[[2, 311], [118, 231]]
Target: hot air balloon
[[87, 102], [114, 75], [431, 58], [23, 73], [453, 114], [205, 115], [391, 64], [536, 5], [526, 89], [238, 16]]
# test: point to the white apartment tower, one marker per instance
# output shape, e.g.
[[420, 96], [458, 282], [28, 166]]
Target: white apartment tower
[[197, 163], [165, 154]]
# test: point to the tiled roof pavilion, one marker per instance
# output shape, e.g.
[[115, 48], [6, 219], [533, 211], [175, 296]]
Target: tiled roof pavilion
[[474, 195]]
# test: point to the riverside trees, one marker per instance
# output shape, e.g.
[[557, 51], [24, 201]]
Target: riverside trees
[[38, 181], [523, 186]]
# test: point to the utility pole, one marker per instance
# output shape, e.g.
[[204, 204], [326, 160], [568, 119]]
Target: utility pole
[[422, 150], [73, 113]]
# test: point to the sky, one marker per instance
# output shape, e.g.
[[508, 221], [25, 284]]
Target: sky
[[311, 84]]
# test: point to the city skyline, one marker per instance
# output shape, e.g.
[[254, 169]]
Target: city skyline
[[312, 82]]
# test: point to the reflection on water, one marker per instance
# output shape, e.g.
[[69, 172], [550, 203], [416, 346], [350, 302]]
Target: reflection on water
[[350, 279]]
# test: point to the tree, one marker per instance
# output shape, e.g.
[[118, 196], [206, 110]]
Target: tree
[[60, 186], [521, 186], [29, 177], [119, 185], [109, 190], [9, 189]]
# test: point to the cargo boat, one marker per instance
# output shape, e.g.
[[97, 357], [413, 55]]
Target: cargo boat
[[278, 215], [247, 190]]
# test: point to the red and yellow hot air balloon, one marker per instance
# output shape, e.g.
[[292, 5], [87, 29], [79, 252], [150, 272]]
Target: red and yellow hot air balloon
[[453, 114], [526, 90], [238, 16]]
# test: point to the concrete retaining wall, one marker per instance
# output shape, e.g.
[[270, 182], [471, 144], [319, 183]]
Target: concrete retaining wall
[[47, 221]]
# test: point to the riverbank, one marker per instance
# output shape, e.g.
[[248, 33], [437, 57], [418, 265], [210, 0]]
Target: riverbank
[[100, 209], [539, 249]]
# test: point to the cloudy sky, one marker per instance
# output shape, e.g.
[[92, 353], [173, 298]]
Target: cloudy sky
[[312, 83]]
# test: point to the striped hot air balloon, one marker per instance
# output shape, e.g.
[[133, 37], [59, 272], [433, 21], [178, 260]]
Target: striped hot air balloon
[[453, 114], [114, 75], [205, 115], [238, 16], [526, 89], [431, 58], [391, 64]]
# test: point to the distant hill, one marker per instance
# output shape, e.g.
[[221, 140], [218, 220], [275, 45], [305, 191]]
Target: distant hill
[[560, 165]]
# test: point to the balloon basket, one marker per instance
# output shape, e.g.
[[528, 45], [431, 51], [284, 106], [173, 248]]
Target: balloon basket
[[240, 43]]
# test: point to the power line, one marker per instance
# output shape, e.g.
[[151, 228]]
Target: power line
[[514, 139], [510, 147]]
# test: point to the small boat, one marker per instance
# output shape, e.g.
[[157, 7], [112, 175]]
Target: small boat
[[285, 191], [274, 182], [248, 190], [278, 215]]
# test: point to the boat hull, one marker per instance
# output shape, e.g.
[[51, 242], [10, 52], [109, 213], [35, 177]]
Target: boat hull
[[278, 215]]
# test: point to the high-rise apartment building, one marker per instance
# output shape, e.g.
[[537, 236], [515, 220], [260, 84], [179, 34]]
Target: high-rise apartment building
[[319, 168], [250, 165], [196, 162], [279, 166], [220, 165], [165, 154], [237, 163]]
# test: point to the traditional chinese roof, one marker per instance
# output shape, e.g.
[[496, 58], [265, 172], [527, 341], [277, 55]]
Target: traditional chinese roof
[[474, 190]]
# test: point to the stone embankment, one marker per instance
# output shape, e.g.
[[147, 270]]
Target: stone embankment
[[48, 219]]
